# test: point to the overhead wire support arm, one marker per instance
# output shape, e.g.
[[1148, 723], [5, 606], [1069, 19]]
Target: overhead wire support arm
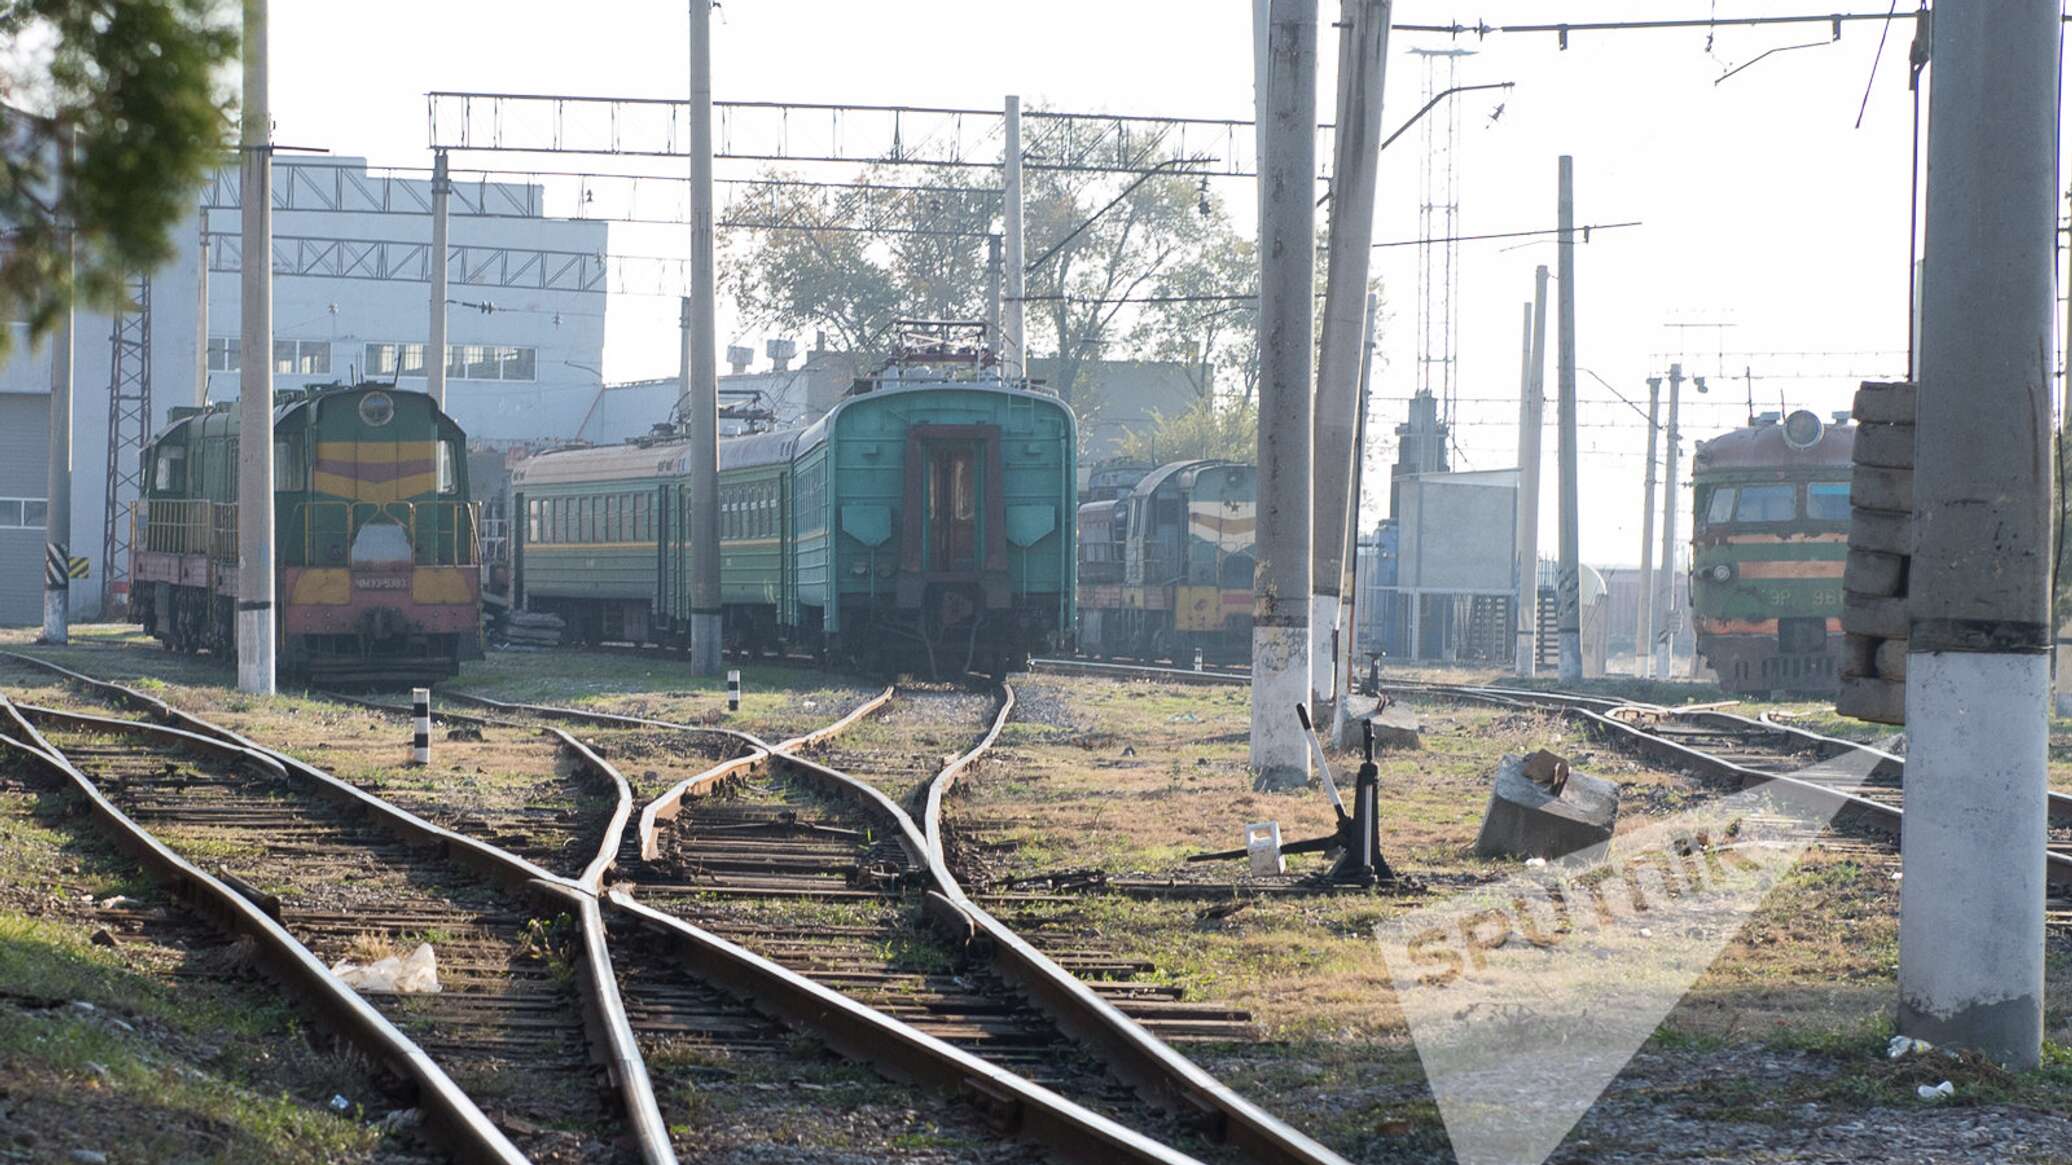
[[1482, 29]]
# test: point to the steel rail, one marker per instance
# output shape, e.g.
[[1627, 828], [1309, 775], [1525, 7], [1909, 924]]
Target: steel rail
[[1617, 724], [860, 1032], [1889, 764], [1163, 1076], [1178, 675], [1140, 1058], [451, 1115], [605, 1021], [852, 1028]]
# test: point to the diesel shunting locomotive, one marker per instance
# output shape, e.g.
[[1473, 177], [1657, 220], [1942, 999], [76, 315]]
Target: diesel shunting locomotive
[[1166, 562], [924, 521], [1770, 534], [376, 542]]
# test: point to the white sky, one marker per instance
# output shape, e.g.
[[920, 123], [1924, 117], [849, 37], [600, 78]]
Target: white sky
[[1763, 206]]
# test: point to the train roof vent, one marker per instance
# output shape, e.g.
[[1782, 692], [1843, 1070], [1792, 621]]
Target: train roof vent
[[1841, 416], [1762, 419], [182, 412]]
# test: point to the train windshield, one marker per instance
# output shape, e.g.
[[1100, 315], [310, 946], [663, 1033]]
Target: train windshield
[[1827, 501], [1721, 507], [1767, 503]]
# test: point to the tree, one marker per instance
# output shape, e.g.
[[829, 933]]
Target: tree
[[132, 85], [850, 262], [924, 254], [1207, 428]]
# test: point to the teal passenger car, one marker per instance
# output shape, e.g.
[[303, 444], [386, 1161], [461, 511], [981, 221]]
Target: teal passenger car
[[925, 520]]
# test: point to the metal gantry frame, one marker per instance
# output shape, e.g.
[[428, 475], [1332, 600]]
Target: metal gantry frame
[[129, 430], [789, 131]]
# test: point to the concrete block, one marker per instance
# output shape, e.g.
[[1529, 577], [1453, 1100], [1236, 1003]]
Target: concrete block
[[1890, 446], [1872, 488], [1876, 617], [1891, 659], [1527, 819], [1263, 848], [1867, 572], [1859, 655], [1887, 403], [1396, 728], [1883, 531], [1878, 700]]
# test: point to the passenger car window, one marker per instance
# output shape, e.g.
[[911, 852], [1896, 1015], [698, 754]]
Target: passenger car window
[[1827, 501], [1767, 503]]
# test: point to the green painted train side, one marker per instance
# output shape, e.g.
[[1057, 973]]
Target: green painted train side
[[814, 536]]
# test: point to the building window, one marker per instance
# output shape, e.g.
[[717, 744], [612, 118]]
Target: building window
[[302, 357], [223, 352], [393, 360], [23, 513]]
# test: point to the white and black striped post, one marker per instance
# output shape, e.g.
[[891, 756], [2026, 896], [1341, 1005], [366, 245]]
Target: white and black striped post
[[1197, 659], [733, 691], [420, 726]]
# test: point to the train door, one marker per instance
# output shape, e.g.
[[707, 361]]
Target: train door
[[952, 503]]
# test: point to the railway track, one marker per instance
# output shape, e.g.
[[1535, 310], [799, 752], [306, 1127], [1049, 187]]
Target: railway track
[[1861, 786], [735, 856], [524, 1052]]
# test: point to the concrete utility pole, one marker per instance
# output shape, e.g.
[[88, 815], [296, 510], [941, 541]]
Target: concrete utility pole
[[1569, 583], [700, 403], [1349, 577], [255, 580], [201, 317], [1665, 579], [1971, 965], [1287, 283], [1362, 60], [1015, 362], [993, 264], [57, 507], [435, 334], [1532, 420], [1644, 616]]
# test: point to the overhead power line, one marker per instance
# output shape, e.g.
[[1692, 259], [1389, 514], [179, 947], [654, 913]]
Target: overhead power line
[[1481, 29], [1582, 230]]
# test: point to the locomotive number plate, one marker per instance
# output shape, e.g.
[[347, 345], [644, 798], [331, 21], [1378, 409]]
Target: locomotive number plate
[[381, 582]]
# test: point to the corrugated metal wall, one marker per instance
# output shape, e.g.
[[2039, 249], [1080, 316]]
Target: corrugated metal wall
[[24, 455]]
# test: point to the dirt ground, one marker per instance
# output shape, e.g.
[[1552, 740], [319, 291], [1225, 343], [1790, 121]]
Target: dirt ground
[[1776, 1053]]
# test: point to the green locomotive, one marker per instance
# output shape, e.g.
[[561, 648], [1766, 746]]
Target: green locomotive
[[1770, 536], [924, 521], [376, 542]]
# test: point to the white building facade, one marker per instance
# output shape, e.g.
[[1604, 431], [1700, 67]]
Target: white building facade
[[351, 301]]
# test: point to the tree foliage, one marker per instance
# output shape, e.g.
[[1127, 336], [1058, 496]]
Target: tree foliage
[[924, 254], [1207, 428], [132, 84]]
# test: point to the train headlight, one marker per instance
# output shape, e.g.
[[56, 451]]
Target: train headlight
[[1721, 572], [1802, 429]]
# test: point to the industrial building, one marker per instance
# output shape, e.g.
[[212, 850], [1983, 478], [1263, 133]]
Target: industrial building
[[351, 260]]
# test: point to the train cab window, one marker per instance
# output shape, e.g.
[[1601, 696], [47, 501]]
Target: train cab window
[[288, 470], [1720, 508], [449, 481], [532, 520], [1827, 501], [170, 472], [641, 530], [1767, 503]]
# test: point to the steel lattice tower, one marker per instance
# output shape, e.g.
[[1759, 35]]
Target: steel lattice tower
[[129, 428]]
